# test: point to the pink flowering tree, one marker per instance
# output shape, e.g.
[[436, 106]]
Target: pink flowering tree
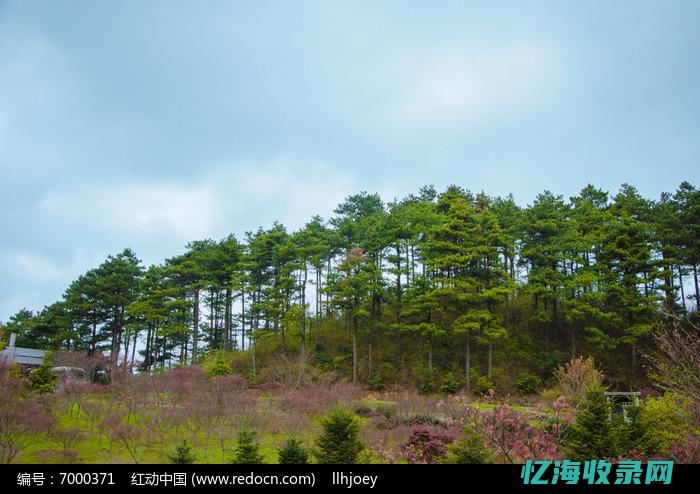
[[515, 437], [427, 445]]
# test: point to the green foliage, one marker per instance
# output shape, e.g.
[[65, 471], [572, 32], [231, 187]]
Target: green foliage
[[363, 411], [593, 435], [450, 384], [217, 363], [469, 448], [339, 443], [377, 383], [662, 422], [15, 371], [482, 385], [426, 381], [528, 383], [247, 451], [430, 281], [422, 419], [648, 430], [42, 379], [182, 455], [549, 395], [386, 409], [293, 453]]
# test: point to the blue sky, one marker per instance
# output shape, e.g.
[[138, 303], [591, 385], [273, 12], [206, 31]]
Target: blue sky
[[148, 124]]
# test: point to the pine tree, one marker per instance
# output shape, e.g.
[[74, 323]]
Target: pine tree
[[247, 450], [593, 434], [339, 443], [183, 454], [293, 453]]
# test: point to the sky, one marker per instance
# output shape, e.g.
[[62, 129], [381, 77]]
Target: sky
[[147, 124]]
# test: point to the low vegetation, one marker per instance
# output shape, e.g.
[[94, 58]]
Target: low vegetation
[[188, 415]]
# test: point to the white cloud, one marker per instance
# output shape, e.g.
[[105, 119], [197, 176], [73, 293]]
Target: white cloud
[[469, 86], [34, 266], [137, 209], [34, 279], [287, 190]]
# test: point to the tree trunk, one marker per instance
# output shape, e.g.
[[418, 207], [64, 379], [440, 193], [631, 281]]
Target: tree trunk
[[242, 320], [127, 341], [695, 278], [253, 329], [369, 359], [318, 302], [430, 353], [680, 282], [93, 340], [354, 349], [195, 324], [227, 324], [147, 356], [467, 362], [303, 311], [133, 350], [490, 359]]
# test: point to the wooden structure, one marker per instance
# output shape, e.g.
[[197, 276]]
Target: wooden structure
[[621, 400], [23, 356]]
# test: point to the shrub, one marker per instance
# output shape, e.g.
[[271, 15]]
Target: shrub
[[15, 371], [377, 383], [68, 438], [483, 385], [661, 422], [247, 450], [426, 445], [577, 376], [381, 422], [339, 443], [293, 453], [422, 419], [468, 449], [22, 420], [450, 385], [133, 438], [676, 359], [593, 434], [183, 454], [528, 383], [426, 382], [514, 437], [548, 395], [217, 363], [386, 409], [270, 386], [363, 411], [43, 380]]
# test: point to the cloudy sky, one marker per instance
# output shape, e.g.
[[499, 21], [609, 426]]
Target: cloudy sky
[[148, 124]]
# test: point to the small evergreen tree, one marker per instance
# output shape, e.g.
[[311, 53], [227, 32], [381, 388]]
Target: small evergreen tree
[[247, 449], [593, 435], [468, 449], [183, 454], [42, 379], [293, 453], [339, 443], [450, 385]]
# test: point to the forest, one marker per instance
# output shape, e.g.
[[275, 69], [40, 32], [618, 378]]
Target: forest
[[404, 311]]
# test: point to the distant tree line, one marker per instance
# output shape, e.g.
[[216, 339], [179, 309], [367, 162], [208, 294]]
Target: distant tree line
[[453, 281]]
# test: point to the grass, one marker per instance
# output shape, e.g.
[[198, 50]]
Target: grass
[[97, 447]]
